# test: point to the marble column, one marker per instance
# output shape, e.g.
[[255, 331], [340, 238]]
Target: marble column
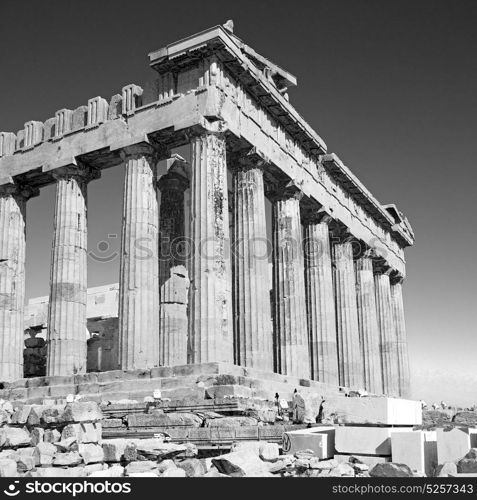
[[139, 267], [402, 352], [292, 356], [173, 275], [368, 324], [210, 312], [320, 299], [350, 358], [13, 200], [67, 332], [388, 340], [252, 309]]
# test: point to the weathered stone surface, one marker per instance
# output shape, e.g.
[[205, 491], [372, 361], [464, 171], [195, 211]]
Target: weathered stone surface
[[320, 441], [371, 410], [320, 300], [158, 418], [46, 452], [87, 411], [140, 467], [291, 344], [193, 467], [210, 317], [240, 463], [68, 285], [468, 464], [368, 325], [174, 473], [139, 271], [67, 459], [454, 444], [231, 422], [269, 452], [390, 470], [446, 470], [254, 341], [12, 279], [91, 453], [306, 407], [11, 437], [466, 418], [417, 449], [388, 336], [342, 469], [8, 467], [350, 360], [117, 449], [365, 440], [58, 472]]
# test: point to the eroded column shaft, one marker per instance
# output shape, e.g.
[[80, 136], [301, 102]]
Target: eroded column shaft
[[67, 332], [350, 359], [388, 340], [320, 303], [291, 336], [12, 282], [252, 310], [139, 268], [368, 325], [210, 317], [402, 350], [173, 276]]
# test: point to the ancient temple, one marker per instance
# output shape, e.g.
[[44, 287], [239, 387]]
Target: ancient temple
[[334, 310]]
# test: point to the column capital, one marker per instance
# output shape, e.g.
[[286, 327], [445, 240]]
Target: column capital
[[78, 171], [246, 159], [206, 127], [172, 180], [380, 266], [316, 216], [12, 187], [281, 193], [132, 151]]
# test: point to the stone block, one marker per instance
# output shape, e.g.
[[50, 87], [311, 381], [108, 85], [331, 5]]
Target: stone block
[[8, 468], [91, 453], [319, 439], [158, 418], [390, 470], [52, 436], [81, 412], [87, 432], [269, 452], [58, 472], [306, 407], [365, 440], [67, 459], [372, 410], [12, 437], [140, 467], [193, 467], [20, 416], [174, 473], [240, 464], [417, 449], [37, 435], [454, 444], [369, 460], [117, 449], [46, 453], [223, 391], [232, 422]]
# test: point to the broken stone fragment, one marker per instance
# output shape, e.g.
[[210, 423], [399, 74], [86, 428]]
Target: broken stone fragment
[[117, 449], [269, 452], [12, 437], [52, 436], [87, 411], [8, 468], [91, 453], [342, 469], [141, 467], [67, 459], [240, 464], [174, 473], [46, 452], [231, 422], [390, 469], [446, 470], [193, 467]]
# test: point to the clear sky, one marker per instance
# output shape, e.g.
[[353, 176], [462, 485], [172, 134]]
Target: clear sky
[[391, 86]]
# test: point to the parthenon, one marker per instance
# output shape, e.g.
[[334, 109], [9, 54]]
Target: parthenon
[[334, 311]]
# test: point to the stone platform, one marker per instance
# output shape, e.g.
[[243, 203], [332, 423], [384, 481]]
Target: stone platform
[[196, 382]]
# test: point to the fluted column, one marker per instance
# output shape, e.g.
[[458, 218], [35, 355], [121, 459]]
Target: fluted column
[[388, 340], [320, 300], [402, 351], [67, 332], [210, 316], [291, 336], [350, 359], [12, 278], [368, 324], [252, 310], [139, 269], [173, 276]]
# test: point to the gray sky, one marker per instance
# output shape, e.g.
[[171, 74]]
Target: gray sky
[[390, 86]]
